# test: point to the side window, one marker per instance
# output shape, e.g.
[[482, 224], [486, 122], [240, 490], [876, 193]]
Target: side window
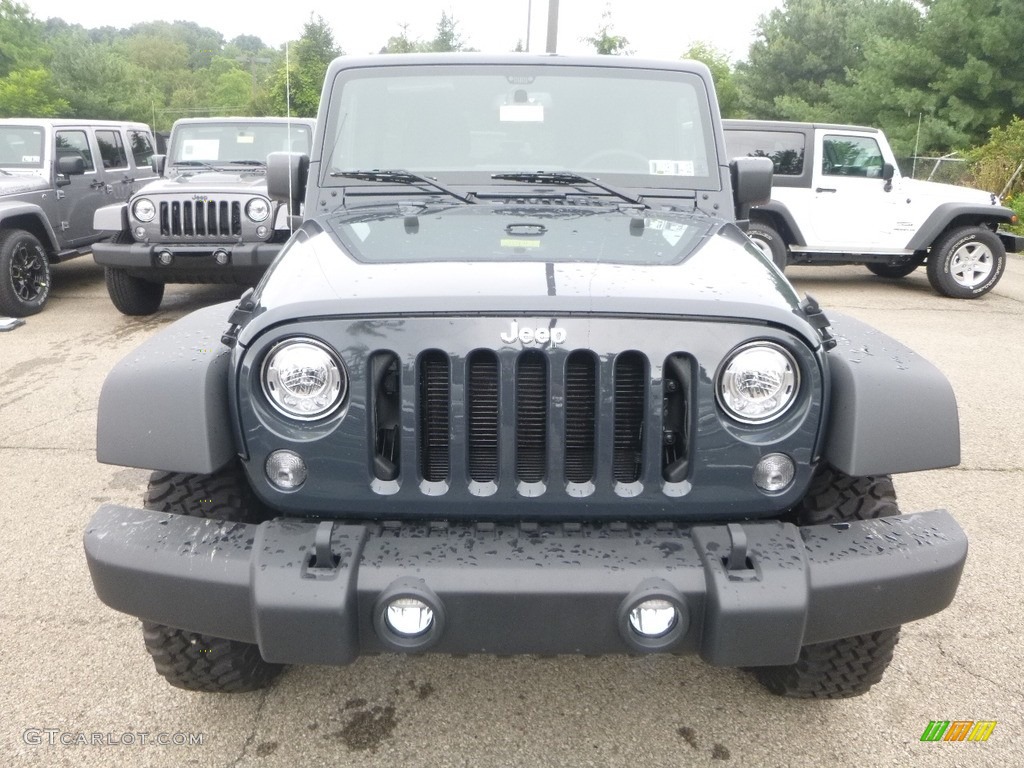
[[75, 144], [112, 149], [851, 156], [142, 147], [784, 148]]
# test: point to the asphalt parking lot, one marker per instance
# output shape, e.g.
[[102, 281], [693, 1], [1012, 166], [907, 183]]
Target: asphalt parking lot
[[79, 689]]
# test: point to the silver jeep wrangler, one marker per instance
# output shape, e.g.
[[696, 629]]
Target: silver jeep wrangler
[[208, 219], [54, 174]]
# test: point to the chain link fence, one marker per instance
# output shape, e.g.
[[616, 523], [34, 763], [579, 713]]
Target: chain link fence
[[948, 169]]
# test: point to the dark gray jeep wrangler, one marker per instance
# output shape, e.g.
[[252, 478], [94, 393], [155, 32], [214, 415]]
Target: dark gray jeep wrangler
[[519, 383], [208, 219]]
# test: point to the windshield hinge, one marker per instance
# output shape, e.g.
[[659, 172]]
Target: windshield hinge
[[239, 316], [816, 317]]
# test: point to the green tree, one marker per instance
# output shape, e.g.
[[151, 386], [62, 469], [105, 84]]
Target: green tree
[[799, 51], [722, 73], [604, 41], [21, 42], [401, 43], [447, 37], [99, 82], [30, 93], [304, 79], [980, 83]]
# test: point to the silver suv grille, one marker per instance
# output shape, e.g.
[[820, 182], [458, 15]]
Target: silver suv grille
[[201, 218]]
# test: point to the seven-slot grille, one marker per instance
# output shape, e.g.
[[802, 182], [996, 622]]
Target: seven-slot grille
[[201, 218], [570, 412]]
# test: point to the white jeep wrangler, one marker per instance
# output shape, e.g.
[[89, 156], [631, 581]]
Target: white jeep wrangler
[[838, 198]]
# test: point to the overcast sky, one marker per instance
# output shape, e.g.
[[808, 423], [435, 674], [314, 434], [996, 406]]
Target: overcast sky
[[655, 28]]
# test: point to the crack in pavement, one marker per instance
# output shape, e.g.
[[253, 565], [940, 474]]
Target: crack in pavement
[[265, 694]]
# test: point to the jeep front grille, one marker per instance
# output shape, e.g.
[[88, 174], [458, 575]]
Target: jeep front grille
[[529, 418], [200, 218]]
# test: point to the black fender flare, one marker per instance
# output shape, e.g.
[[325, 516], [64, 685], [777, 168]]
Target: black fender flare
[[32, 219], [775, 213], [165, 405], [891, 410], [948, 215]]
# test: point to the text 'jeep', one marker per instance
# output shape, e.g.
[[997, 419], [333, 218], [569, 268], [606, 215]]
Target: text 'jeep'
[[520, 384], [208, 220]]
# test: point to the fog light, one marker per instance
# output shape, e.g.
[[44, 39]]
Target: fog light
[[140, 233], [774, 472], [165, 258], [408, 617], [262, 232], [286, 470], [221, 256], [653, 618]]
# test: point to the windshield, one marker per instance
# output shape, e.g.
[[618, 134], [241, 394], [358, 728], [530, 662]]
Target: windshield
[[639, 127], [21, 146], [237, 143]]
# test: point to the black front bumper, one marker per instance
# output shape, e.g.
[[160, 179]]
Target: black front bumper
[[747, 594], [186, 256]]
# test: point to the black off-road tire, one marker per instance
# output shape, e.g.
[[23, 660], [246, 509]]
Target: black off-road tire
[[24, 274], [769, 242], [895, 270], [966, 263], [839, 669], [190, 660], [133, 296], [198, 662]]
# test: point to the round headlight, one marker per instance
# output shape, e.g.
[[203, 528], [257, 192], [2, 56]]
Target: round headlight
[[303, 379], [143, 209], [257, 209], [758, 383]]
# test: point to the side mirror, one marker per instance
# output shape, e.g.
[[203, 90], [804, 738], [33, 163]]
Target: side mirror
[[71, 165], [158, 163], [888, 172], [751, 183], [287, 173]]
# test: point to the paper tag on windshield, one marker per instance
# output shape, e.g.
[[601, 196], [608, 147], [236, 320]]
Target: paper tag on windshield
[[671, 167], [521, 113], [200, 149]]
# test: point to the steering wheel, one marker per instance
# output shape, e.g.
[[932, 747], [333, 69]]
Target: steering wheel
[[634, 161]]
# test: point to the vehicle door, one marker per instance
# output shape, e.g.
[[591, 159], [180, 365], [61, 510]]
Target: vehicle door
[[853, 204], [79, 194], [141, 148]]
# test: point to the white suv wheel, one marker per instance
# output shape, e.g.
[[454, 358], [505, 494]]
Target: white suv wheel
[[971, 264]]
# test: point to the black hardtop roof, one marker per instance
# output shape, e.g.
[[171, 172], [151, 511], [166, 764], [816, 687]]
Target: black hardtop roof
[[792, 125]]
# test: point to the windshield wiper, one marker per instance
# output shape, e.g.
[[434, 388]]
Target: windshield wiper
[[568, 177], [202, 163], [403, 177], [247, 162]]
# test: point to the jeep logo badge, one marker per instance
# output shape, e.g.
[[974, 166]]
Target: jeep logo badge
[[533, 335]]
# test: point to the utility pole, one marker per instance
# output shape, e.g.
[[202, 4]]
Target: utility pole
[[552, 26]]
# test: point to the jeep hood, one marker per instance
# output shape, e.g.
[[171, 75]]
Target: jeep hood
[[209, 182], [15, 185], [516, 260], [947, 193]]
